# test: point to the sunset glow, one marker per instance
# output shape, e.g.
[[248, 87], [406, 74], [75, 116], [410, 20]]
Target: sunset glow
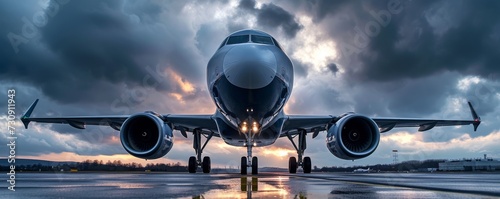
[[72, 157], [279, 152]]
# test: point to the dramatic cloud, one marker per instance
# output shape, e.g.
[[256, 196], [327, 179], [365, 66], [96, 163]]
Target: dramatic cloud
[[333, 68], [272, 16], [411, 39], [389, 58], [105, 47]]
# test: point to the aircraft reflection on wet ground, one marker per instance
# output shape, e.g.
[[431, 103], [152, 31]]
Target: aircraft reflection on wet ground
[[265, 185]]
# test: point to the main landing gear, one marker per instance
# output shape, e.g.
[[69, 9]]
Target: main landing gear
[[194, 162], [305, 162]]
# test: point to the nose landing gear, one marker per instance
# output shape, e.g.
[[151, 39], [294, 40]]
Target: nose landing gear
[[249, 161]]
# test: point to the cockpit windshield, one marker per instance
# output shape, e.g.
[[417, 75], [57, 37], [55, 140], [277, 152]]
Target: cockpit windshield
[[262, 39], [246, 38], [237, 39]]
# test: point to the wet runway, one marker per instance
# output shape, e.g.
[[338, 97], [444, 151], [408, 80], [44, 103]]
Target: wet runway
[[265, 185]]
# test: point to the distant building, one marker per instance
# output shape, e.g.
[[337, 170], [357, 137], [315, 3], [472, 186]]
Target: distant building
[[486, 164]]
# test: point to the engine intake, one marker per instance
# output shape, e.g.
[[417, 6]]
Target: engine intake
[[353, 137], [145, 135]]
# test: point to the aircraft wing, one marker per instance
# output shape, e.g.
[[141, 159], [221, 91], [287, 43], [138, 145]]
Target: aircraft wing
[[314, 124], [178, 122]]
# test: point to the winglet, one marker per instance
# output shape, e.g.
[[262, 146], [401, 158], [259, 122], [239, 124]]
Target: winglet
[[477, 119], [27, 114]]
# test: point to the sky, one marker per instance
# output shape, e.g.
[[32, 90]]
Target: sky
[[394, 58]]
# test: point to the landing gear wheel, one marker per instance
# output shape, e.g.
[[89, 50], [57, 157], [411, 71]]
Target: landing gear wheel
[[205, 165], [243, 165], [255, 166], [306, 165], [292, 165], [192, 164]]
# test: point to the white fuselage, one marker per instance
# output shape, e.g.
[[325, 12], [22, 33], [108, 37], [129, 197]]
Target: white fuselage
[[250, 79]]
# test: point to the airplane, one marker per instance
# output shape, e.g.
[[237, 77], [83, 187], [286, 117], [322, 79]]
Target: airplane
[[250, 79], [360, 170]]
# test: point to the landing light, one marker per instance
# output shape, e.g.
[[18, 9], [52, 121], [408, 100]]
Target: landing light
[[245, 128], [255, 129]]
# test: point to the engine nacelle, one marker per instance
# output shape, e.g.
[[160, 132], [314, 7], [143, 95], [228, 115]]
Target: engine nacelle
[[353, 137], [145, 135]]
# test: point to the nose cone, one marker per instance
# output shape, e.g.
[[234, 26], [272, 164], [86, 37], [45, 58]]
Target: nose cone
[[250, 66]]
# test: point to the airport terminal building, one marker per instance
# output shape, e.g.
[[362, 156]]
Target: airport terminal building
[[484, 164]]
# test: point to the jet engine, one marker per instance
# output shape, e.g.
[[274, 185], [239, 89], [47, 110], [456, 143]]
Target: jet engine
[[353, 137], [145, 135]]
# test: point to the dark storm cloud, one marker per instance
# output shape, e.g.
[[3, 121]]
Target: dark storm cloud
[[324, 8], [92, 51], [407, 39], [86, 57], [272, 16], [405, 58], [332, 67], [247, 4]]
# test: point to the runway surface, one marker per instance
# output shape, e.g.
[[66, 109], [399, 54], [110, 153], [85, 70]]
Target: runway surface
[[265, 185]]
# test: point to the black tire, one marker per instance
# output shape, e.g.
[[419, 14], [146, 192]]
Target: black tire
[[205, 165], [292, 165], [306, 165], [255, 166], [192, 164], [243, 165]]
